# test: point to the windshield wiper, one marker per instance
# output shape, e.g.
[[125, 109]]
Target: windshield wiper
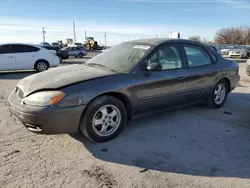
[[96, 64]]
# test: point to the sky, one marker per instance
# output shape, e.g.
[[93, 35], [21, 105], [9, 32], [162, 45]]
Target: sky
[[122, 20]]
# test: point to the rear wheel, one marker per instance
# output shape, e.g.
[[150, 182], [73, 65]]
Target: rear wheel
[[41, 65], [219, 95], [103, 119]]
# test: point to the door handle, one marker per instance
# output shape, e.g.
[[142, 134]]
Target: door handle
[[33, 56], [11, 57]]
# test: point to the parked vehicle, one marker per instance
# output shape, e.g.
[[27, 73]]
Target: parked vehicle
[[248, 67], [242, 52], [79, 45], [26, 56], [62, 54], [55, 44], [44, 44], [226, 51], [130, 79], [75, 51]]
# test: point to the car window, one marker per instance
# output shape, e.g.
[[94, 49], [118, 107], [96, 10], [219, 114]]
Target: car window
[[20, 48], [122, 57], [5, 49], [167, 56], [197, 56]]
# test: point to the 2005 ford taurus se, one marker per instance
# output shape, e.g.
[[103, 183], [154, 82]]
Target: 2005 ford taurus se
[[128, 80]]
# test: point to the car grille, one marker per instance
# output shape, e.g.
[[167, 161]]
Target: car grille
[[19, 93]]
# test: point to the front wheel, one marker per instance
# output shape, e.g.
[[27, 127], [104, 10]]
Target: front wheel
[[81, 55], [103, 119], [219, 95]]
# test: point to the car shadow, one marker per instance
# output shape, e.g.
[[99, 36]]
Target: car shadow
[[69, 62], [15, 75], [194, 141]]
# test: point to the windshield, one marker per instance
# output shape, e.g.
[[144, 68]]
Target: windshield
[[121, 58]]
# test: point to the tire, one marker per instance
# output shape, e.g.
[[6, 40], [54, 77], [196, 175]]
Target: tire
[[95, 121], [248, 56], [81, 55], [60, 58], [248, 73], [211, 101], [41, 65]]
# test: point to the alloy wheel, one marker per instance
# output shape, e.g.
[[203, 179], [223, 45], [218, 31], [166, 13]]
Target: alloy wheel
[[42, 66], [106, 120], [219, 93]]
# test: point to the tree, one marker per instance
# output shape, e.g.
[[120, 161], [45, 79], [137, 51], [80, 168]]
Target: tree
[[195, 38], [247, 35], [231, 35]]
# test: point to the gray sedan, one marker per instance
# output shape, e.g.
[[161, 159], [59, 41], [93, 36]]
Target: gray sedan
[[75, 51], [130, 79]]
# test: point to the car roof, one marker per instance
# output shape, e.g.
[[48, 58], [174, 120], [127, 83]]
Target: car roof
[[20, 44], [157, 41]]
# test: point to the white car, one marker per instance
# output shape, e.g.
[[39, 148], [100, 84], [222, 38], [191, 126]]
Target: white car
[[242, 52], [26, 57], [226, 51]]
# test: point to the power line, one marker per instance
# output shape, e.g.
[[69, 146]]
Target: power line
[[83, 29]]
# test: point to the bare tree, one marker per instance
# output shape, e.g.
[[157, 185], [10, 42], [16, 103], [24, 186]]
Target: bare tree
[[195, 38], [231, 35], [247, 35], [223, 36]]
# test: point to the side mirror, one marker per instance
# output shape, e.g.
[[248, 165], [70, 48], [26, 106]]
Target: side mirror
[[154, 67]]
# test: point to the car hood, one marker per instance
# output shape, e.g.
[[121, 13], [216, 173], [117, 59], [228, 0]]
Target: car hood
[[225, 50], [60, 77], [239, 50]]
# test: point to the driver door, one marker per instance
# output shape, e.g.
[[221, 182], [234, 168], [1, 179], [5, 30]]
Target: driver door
[[164, 88]]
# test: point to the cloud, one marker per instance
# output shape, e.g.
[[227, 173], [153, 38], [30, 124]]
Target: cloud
[[234, 4], [20, 30], [169, 1], [238, 4]]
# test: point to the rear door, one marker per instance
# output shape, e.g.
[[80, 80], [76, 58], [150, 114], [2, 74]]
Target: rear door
[[201, 72], [70, 51], [7, 57], [26, 56]]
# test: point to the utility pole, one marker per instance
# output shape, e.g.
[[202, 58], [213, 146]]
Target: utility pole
[[85, 32], [74, 30], [105, 38], [43, 31]]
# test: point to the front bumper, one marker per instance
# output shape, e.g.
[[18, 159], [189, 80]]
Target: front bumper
[[237, 55], [46, 120]]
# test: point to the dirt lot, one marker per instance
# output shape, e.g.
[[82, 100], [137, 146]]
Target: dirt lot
[[191, 147]]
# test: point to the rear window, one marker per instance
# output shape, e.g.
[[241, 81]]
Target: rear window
[[19, 48]]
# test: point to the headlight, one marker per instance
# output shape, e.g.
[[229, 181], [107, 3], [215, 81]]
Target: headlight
[[44, 98]]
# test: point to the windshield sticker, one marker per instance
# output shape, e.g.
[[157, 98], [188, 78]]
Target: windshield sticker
[[141, 47]]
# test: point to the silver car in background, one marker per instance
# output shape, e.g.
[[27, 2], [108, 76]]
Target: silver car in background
[[225, 51], [242, 52], [76, 51]]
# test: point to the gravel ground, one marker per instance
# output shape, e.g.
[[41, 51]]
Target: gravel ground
[[191, 147]]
